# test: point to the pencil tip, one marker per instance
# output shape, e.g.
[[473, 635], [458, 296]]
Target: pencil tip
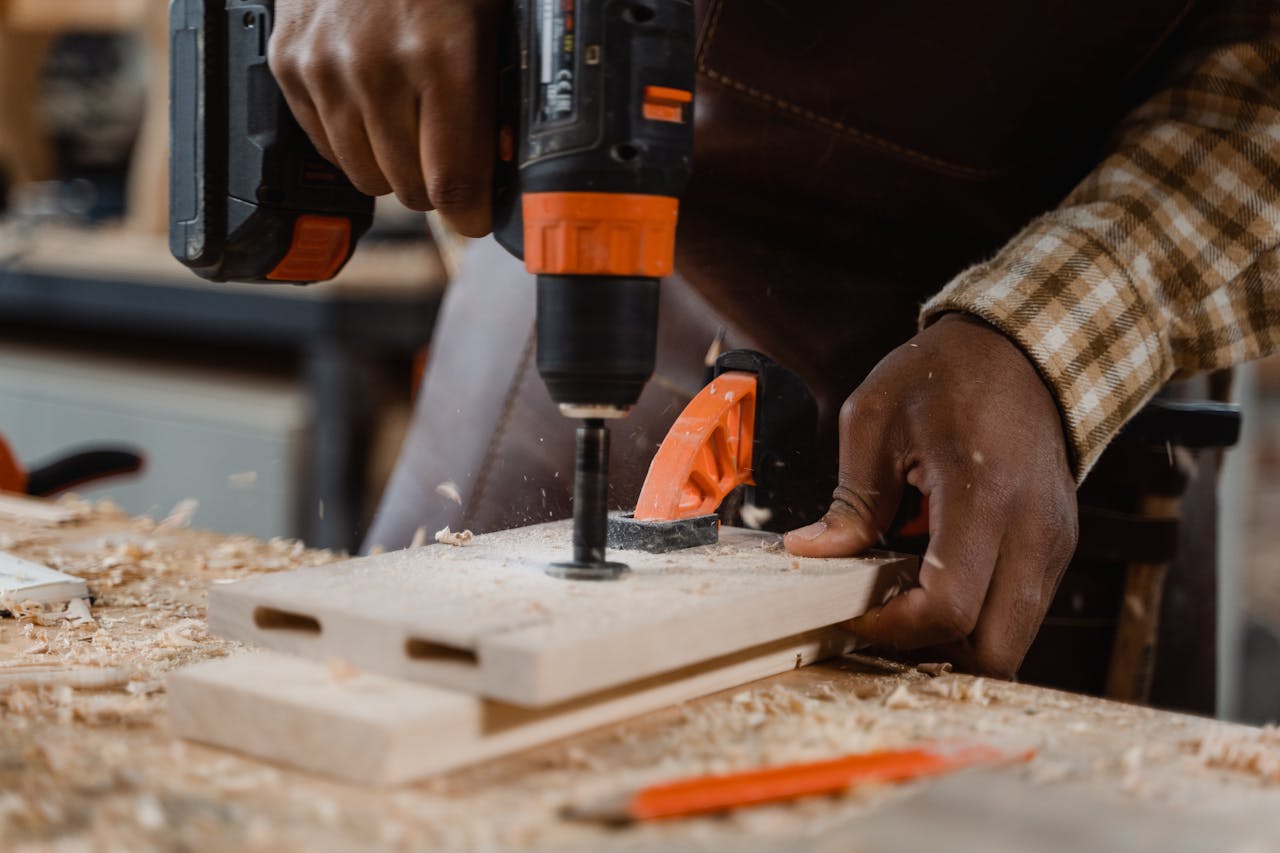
[[613, 810]]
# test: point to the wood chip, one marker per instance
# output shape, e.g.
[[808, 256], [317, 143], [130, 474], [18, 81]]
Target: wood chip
[[449, 489], [182, 514], [43, 675], [901, 697], [934, 669], [754, 516], [455, 538]]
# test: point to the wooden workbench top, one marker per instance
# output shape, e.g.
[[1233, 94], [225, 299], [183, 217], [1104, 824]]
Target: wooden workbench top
[[86, 756]]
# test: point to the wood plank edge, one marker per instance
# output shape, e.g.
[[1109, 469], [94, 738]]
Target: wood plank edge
[[210, 702]]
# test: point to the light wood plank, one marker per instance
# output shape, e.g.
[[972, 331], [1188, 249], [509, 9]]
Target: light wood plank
[[390, 271], [374, 730], [486, 619], [22, 580], [36, 510]]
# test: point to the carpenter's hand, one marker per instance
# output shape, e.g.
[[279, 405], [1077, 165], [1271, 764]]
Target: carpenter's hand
[[399, 94], [961, 414]]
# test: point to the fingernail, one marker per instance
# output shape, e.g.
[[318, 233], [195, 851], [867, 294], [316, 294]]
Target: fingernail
[[810, 532]]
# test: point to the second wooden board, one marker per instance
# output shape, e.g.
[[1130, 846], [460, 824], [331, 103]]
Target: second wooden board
[[487, 620]]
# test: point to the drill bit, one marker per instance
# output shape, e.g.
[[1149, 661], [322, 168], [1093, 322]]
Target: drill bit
[[590, 508]]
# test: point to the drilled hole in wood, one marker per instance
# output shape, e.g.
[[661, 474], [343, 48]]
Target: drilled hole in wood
[[271, 619], [418, 649]]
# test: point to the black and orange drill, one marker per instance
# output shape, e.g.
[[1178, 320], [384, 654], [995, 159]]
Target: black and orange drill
[[598, 97], [594, 149]]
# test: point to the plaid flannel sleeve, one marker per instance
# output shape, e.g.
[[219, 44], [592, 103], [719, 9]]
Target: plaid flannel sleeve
[[1164, 260]]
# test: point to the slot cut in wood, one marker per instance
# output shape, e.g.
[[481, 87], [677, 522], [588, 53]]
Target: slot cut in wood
[[274, 619], [419, 649]]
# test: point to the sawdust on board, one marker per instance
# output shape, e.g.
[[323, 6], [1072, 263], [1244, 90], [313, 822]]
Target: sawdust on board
[[754, 517], [104, 664]]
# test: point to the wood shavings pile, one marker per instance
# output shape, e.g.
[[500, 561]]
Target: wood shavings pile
[[1229, 748], [69, 669]]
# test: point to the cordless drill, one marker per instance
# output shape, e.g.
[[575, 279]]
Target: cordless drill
[[594, 147]]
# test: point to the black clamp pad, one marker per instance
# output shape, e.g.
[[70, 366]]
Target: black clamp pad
[[660, 537]]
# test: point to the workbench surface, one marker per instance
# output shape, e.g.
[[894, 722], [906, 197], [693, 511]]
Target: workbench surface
[[86, 758]]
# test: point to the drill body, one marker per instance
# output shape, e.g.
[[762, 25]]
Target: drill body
[[597, 97], [595, 146]]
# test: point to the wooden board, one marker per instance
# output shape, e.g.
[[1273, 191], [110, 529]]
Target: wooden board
[[22, 580], [36, 510], [486, 619], [374, 730]]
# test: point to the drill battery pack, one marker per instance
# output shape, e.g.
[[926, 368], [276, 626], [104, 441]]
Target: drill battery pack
[[250, 198]]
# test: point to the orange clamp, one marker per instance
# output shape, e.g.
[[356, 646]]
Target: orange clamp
[[706, 454]]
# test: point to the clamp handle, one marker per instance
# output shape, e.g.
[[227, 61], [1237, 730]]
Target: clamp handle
[[753, 424]]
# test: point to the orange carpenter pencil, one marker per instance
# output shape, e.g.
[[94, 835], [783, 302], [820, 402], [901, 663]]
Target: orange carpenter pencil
[[704, 794]]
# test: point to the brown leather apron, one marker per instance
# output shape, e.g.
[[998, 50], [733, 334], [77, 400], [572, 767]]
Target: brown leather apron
[[850, 159]]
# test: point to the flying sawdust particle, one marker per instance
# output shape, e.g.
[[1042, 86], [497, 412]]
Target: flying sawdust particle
[[754, 516], [455, 538], [449, 489]]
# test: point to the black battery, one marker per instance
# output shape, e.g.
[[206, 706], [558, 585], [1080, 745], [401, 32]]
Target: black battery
[[250, 197]]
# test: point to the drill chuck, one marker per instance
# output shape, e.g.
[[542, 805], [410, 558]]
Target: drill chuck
[[597, 340]]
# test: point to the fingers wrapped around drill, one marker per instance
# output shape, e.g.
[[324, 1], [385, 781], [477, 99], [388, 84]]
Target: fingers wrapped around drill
[[398, 95], [962, 415]]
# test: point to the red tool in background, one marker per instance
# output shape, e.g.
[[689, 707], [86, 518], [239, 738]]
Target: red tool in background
[[65, 472]]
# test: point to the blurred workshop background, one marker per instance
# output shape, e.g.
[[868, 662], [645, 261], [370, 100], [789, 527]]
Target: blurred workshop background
[[280, 409]]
